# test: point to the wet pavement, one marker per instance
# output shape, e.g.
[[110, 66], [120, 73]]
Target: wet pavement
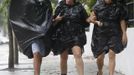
[[50, 65]]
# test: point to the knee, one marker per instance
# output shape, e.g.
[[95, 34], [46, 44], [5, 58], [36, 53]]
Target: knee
[[36, 54], [77, 55], [111, 55], [100, 59], [77, 52], [64, 57]]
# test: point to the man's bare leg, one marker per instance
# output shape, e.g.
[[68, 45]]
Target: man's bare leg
[[78, 59], [63, 62], [112, 57], [100, 63], [37, 63]]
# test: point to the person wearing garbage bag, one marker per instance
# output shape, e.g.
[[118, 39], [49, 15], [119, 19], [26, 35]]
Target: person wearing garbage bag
[[109, 33], [30, 21], [69, 37]]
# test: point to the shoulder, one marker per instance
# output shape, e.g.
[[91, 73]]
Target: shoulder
[[122, 8], [79, 6], [98, 6]]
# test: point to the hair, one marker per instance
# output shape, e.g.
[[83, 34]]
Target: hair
[[74, 0]]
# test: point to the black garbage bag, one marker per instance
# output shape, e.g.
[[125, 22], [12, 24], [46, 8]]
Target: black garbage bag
[[29, 20]]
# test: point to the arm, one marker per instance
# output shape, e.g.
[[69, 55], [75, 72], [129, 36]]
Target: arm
[[124, 34], [123, 26], [57, 17], [123, 18], [84, 15]]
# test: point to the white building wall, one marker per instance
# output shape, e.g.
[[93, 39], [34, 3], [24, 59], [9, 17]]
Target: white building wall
[[125, 60]]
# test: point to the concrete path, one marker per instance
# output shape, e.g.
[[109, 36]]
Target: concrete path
[[50, 65]]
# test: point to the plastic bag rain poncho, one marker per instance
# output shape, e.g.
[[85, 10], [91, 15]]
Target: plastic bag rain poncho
[[109, 35], [30, 19]]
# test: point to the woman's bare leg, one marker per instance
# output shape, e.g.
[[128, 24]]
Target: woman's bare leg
[[78, 59], [112, 63], [100, 63], [63, 62], [37, 63]]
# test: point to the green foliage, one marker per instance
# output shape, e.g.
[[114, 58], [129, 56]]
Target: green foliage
[[4, 14], [89, 3], [54, 3], [3, 5]]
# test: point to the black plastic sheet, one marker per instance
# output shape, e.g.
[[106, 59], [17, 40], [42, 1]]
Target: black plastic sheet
[[30, 19]]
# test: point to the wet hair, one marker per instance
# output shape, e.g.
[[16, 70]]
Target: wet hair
[[62, 2], [74, 0]]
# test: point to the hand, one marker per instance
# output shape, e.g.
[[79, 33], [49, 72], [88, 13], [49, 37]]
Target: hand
[[99, 23], [124, 39], [58, 18], [91, 19]]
